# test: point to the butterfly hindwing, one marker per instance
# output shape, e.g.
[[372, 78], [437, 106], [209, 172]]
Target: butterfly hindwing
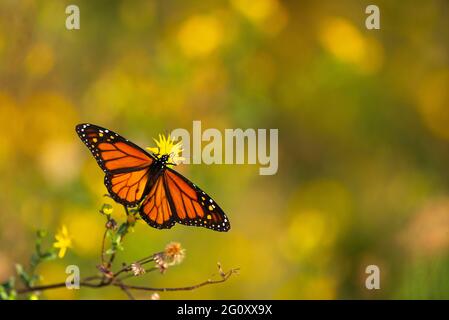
[[173, 198], [155, 209], [125, 164], [192, 205]]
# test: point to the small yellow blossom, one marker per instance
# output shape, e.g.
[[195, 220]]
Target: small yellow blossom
[[107, 209], [167, 146], [63, 241]]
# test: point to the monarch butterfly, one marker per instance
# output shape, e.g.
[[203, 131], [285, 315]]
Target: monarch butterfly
[[135, 177]]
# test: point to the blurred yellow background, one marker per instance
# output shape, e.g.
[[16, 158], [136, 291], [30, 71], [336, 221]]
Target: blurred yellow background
[[363, 126]]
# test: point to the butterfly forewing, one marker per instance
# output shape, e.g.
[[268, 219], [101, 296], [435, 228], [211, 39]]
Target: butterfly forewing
[[125, 164]]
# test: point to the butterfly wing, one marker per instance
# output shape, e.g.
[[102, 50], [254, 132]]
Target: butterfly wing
[[155, 209], [173, 198], [125, 164], [193, 207]]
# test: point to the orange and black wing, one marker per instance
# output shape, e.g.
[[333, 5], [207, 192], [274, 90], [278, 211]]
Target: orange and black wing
[[193, 207], [173, 198], [125, 164], [156, 209]]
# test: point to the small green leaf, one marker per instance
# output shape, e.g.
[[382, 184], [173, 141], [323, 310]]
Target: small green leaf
[[123, 229], [116, 240], [41, 234], [9, 284], [7, 291], [3, 293], [49, 255], [19, 268], [23, 275], [35, 260]]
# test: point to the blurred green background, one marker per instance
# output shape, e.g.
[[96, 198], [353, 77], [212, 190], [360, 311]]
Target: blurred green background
[[363, 119]]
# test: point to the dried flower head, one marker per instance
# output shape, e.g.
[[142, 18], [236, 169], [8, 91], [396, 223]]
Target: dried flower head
[[172, 255], [111, 224], [105, 271], [137, 269]]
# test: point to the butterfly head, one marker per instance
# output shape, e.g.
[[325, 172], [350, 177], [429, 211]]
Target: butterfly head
[[165, 158], [167, 150]]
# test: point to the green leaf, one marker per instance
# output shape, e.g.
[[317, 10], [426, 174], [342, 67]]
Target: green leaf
[[49, 255], [116, 240], [41, 234], [3, 294], [35, 260], [123, 229], [7, 291], [23, 275]]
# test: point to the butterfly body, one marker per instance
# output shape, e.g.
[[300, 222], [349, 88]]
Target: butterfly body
[[135, 177]]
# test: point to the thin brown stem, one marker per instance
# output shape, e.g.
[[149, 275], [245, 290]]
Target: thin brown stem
[[132, 275], [146, 259], [127, 268], [125, 289], [111, 259], [85, 282], [188, 288], [102, 246]]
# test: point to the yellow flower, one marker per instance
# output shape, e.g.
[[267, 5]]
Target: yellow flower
[[63, 241], [107, 209], [167, 146]]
